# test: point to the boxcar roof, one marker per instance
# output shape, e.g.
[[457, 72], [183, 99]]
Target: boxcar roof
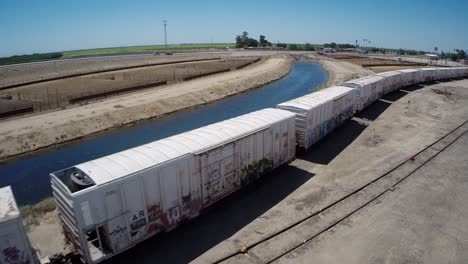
[[312, 100], [114, 166], [366, 79], [8, 207], [389, 73], [409, 70]]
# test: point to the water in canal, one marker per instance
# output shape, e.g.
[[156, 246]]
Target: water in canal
[[29, 177]]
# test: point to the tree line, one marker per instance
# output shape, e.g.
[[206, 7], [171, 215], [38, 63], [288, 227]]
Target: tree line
[[29, 58], [244, 41]]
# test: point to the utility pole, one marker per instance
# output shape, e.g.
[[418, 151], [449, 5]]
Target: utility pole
[[165, 34]]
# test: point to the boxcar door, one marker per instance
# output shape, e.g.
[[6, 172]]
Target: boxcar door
[[132, 196], [175, 185], [228, 168], [117, 234]]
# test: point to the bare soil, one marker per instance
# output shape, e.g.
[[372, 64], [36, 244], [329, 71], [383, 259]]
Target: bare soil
[[33, 132], [375, 64], [15, 74], [61, 93], [378, 69], [339, 71]]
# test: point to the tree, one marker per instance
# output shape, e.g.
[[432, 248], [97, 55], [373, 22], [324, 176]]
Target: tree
[[243, 41], [453, 56], [245, 37], [401, 52], [309, 46], [239, 43], [252, 42], [264, 42], [293, 47], [281, 45], [333, 45]]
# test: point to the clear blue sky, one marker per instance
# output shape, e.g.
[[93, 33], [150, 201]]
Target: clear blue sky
[[28, 26]]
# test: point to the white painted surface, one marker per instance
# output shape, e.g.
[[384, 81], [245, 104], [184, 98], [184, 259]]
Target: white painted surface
[[410, 77], [369, 89], [393, 80], [151, 188], [317, 114], [14, 243]]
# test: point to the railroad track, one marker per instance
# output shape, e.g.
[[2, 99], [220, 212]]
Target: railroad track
[[311, 226]]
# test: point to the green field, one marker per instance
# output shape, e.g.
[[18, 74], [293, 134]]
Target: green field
[[107, 51], [136, 49]]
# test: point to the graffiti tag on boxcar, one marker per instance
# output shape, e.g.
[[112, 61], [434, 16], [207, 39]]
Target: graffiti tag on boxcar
[[171, 217], [13, 255]]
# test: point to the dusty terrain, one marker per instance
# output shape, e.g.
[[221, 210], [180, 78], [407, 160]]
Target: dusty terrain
[[378, 69], [340, 71], [63, 92], [375, 63], [15, 74], [22, 135], [377, 181]]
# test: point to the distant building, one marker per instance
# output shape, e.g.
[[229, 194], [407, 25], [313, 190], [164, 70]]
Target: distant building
[[430, 56], [329, 50]]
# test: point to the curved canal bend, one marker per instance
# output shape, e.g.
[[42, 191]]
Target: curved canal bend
[[29, 176]]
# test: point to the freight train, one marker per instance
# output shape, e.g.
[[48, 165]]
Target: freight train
[[112, 203]]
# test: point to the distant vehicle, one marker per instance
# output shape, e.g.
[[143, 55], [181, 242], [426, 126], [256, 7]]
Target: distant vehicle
[[329, 50], [6, 97], [156, 53], [168, 53]]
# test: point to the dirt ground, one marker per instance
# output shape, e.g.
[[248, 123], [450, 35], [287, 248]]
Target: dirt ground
[[25, 134], [339, 71], [14, 74], [46, 235], [378, 69], [375, 64], [61, 93], [346, 168]]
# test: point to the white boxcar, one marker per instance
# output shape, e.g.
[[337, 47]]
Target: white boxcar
[[410, 77], [393, 80], [112, 203], [458, 72], [462, 72], [317, 114], [444, 73], [429, 74], [14, 243], [368, 90]]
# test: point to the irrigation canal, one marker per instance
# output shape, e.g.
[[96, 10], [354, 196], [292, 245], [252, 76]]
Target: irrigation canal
[[29, 176]]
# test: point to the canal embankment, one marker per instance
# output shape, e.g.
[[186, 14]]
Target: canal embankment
[[338, 71], [31, 133]]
